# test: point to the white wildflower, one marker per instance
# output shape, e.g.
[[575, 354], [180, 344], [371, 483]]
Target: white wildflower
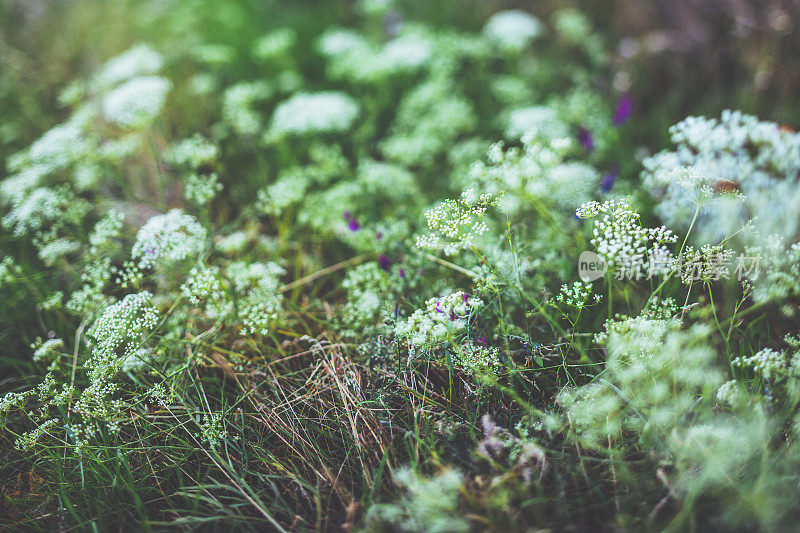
[[237, 105], [43, 350], [729, 393], [202, 283], [768, 363], [106, 229], [59, 147], [171, 237], [56, 249], [324, 112], [137, 102], [512, 30], [738, 167], [476, 357], [121, 327], [442, 319], [275, 45], [618, 236], [201, 189], [456, 224], [542, 121], [194, 152], [138, 61]]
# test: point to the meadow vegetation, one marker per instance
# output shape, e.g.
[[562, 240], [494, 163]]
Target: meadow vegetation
[[306, 266]]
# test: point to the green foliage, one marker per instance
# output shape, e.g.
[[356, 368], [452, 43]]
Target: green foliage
[[314, 267]]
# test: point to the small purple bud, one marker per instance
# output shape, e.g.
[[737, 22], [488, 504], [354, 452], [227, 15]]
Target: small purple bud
[[379, 235], [585, 138], [347, 215], [396, 310], [623, 111], [419, 272], [481, 340], [392, 23], [609, 179], [353, 225], [402, 272], [384, 262]]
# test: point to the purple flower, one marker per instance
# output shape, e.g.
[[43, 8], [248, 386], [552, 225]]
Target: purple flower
[[379, 235], [347, 215], [396, 310], [402, 272], [585, 138], [393, 23], [623, 110], [608, 180], [481, 340], [353, 224], [384, 262]]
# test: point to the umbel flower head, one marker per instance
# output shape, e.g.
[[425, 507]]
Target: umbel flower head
[[540, 168], [442, 319], [542, 121], [456, 224], [168, 238], [618, 236], [138, 61], [309, 113], [137, 102], [512, 30], [59, 147], [741, 168], [123, 323]]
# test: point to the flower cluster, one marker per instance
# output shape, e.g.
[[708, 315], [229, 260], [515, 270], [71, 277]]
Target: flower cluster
[[194, 152], [578, 296], [767, 363], [729, 393], [44, 350], [456, 224], [138, 61], [709, 263], [742, 169], [474, 356], [541, 122], [354, 58], [202, 284], [368, 287], [168, 238], [136, 102], [512, 30], [201, 189], [541, 169], [122, 325], [442, 319], [618, 236], [257, 286], [311, 113]]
